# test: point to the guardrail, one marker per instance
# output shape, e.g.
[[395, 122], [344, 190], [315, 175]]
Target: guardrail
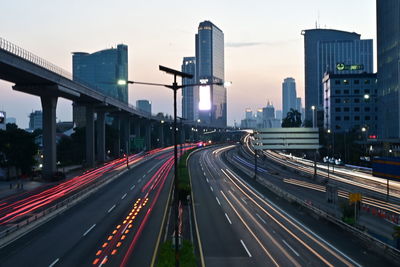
[[81, 194], [22, 53], [387, 249]]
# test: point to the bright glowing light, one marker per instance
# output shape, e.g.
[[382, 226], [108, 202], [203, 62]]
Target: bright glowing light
[[366, 96], [205, 97], [122, 82], [363, 129], [313, 107], [227, 84]]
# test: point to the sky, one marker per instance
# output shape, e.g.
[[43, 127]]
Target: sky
[[263, 44]]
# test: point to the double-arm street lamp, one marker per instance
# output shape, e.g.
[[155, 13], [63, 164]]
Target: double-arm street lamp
[[175, 87]]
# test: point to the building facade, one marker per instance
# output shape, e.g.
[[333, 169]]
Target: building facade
[[144, 105], [327, 50], [36, 120], [101, 71], [190, 94], [388, 46], [210, 68], [3, 119], [350, 102], [289, 95]]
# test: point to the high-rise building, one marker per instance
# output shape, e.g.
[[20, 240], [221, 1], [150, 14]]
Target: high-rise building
[[210, 68], [3, 119], [144, 105], [289, 95], [269, 111], [36, 120], [249, 114], [278, 114], [190, 94], [350, 102], [298, 104], [11, 120], [334, 51], [101, 71], [388, 45]]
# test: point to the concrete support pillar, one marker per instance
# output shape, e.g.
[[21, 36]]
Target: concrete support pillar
[[125, 131], [161, 136], [101, 136], [147, 136], [117, 125], [49, 105], [137, 126], [90, 136]]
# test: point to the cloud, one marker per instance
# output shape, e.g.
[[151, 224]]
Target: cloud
[[247, 44]]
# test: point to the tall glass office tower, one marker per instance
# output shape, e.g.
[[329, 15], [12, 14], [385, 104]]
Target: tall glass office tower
[[210, 67], [289, 95], [388, 41], [334, 51], [190, 94], [101, 71]]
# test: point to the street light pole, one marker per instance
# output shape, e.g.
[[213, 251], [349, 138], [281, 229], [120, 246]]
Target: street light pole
[[175, 87]]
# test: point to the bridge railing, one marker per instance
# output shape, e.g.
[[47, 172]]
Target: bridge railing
[[20, 52]]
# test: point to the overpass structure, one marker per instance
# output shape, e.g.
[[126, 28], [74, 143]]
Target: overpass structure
[[36, 76]]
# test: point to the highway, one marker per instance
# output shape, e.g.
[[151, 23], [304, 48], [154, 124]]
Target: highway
[[117, 225], [342, 175], [241, 223]]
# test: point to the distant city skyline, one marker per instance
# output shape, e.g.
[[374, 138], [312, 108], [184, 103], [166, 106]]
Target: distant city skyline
[[257, 56]]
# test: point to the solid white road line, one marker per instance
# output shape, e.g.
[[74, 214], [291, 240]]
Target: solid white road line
[[229, 220], [111, 209], [294, 251], [139, 180], [261, 218], [54, 262], [124, 196], [88, 230], [219, 203], [248, 252], [211, 189], [133, 186]]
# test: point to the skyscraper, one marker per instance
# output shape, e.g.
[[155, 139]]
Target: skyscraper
[[36, 120], [101, 71], [334, 51], [210, 68], [144, 105], [190, 94], [388, 42], [248, 113], [289, 96]]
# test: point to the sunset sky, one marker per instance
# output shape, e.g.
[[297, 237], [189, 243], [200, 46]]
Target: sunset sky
[[263, 44]]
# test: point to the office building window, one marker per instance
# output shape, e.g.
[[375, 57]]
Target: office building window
[[337, 92], [338, 118], [356, 100], [346, 109], [346, 82], [356, 81], [346, 92], [366, 91], [367, 81], [346, 118], [356, 118], [357, 109], [367, 109], [337, 81], [337, 109], [367, 118], [337, 100], [356, 91]]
